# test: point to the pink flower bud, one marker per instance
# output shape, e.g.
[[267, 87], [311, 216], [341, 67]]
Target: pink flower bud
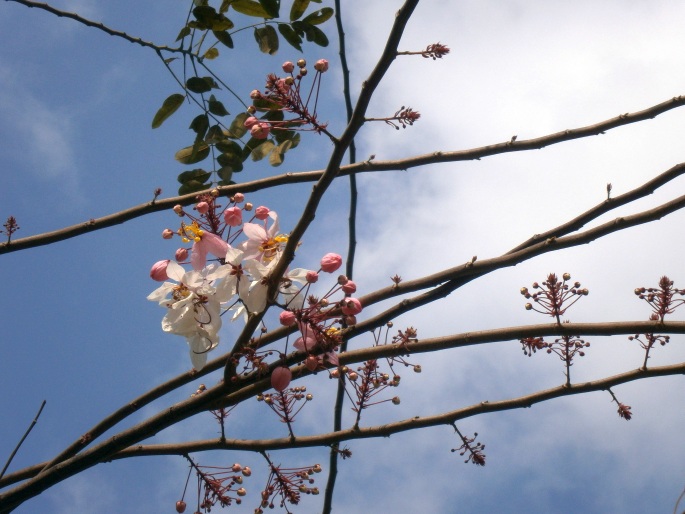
[[330, 262], [178, 209], [311, 363], [158, 271], [349, 287], [287, 318], [261, 212], [288, 67], [181, 255], [321, 65], [167, 233], [233, 216], [249, 122], [280, 378], [248, 206], [202, 207], [238, 197], [260, 130], [255, 94], [312, 277], [351, 306]]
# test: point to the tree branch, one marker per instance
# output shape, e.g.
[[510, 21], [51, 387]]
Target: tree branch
[[359, 167]]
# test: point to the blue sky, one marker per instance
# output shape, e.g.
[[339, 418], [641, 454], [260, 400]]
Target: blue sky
[[76, 143]]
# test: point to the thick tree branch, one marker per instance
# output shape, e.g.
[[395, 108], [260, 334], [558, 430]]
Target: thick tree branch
[[360, 167]]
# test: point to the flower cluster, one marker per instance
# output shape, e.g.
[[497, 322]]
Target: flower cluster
[[285, 94], [288, 485], [663, 301], [237, 280]]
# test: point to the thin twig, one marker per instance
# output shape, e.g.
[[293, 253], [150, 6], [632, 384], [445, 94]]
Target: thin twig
[[100, 26], [16, 448]]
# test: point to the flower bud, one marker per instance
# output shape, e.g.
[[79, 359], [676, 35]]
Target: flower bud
[[396, 400], [238, 198], [247, 471], [280, 378], [331, 262], [351, 306], [303, 72], [233, 216], [158, 271], [287, 318], [260, 130], [349, 287], [202, 207], [167, 233], [251, 109], [236, 467], [181, 255], [288, 67], [180, 506], [289, 81], [178, 209], [249, 122], [255, 94], [301, 63], [321, 65], [312, 277], [311, 363], [350, 320], [262, 212]]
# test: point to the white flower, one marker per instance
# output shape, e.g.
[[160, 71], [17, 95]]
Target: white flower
[[193, 308]]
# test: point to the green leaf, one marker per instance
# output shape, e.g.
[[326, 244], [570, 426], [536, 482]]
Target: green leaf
[[224, 37], [290, 36], [216, 107], [275, 157], [192, 187], [211, 53], [169, 107], [225, 4], [318, 17], [199, 125], [185, 31], [237, 128], [225, 175], [262, 150], [198, 175], [267, 39], [298, 9], [250, 8], [249, 147], [215, 134], [283, 135], [233, 162], [230, 148], [187, 156], [199, 85], [271, 6], [263, 104], [315, 35]]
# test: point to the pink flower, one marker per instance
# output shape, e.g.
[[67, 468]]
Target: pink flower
[[233, 216], [202, 207], [167, 233], [312, 277], [351, 306], [262, 243], [158, 271], [181, 255], [260, 130], [287, 318], [209, 243], [321, 65], [330, 262], [280, 378], [288, 67], [261, 212]]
